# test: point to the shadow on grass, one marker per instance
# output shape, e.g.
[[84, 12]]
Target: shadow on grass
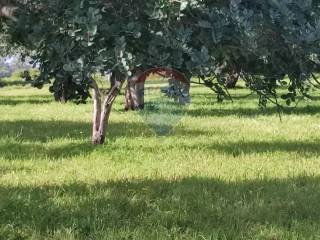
[[28, 139], [44, 131], [235, 149], [18, 100], [13, 83], [190, 207], [227, 110], [13, 151], [252, 112], [304, 148]]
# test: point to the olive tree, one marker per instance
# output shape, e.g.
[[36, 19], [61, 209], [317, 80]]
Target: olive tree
[[72, 40], [261, 41]]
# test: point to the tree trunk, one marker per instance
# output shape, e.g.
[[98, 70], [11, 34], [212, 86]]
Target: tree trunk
[[134, 95], [233, 79], [102, 110], [112, 78], [64, 88], [139, 88], [129, 99]]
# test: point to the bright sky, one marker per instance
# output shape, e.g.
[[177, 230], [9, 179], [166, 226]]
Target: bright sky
[[9, 60]]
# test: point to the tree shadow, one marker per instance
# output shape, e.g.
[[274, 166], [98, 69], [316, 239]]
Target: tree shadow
[[190, 207], [30, 139], [44, 131], [13, 151], [13, 83], [303, 147], [252, 112], [18, 100], [227, 109]]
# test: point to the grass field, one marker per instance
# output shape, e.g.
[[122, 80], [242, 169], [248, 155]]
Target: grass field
[[224, 171]]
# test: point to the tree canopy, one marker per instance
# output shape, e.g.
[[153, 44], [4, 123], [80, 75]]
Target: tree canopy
[[264, 41]]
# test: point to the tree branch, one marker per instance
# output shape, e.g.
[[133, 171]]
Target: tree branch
[[96, 106]]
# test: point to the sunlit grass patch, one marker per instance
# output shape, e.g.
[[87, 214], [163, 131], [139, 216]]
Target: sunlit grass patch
[[223, 171]]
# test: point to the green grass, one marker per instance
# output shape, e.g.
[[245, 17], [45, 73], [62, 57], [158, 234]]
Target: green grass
[[224, 171]]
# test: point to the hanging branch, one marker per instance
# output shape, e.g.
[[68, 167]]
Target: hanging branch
[[316, 80]]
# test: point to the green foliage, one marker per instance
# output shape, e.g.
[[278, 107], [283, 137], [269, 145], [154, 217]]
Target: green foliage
[[5, 47], [263, 40]]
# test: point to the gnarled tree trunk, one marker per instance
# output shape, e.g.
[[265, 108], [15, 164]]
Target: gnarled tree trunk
[[134, 99], [136, 86], [232, 81], [134, 96], [102, 108], [130, 96], [233, 78]]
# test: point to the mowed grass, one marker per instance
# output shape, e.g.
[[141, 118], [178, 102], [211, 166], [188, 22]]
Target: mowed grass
[[221, 171]]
